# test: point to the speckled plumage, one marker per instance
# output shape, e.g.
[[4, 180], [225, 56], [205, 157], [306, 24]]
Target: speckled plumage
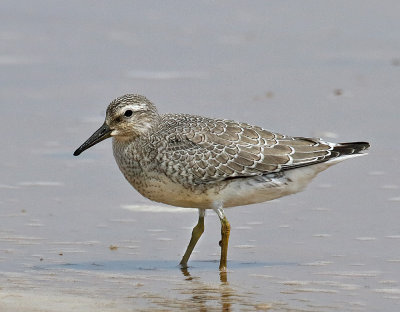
[[199, 162], [202, 156]]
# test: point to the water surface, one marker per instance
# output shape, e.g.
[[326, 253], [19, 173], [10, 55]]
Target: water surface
[[75, 236]]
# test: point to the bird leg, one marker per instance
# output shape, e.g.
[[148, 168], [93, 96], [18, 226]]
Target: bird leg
[[196, 233], [225, 231]]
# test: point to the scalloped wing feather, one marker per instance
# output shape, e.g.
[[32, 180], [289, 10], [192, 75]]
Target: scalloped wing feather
[[215, 149]]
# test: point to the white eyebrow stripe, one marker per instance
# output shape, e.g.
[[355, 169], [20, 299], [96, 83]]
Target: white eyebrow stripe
[[137, 107]]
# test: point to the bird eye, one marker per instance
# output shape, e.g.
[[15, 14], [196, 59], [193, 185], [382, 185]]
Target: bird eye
[[128, 113]]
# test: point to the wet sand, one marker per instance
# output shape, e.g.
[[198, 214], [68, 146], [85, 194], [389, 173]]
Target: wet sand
[[75, 236]]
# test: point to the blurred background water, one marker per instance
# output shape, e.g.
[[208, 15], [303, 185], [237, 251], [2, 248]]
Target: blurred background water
[[75, 235]]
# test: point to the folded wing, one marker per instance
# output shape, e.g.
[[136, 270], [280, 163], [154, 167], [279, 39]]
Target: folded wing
[[212, 150]]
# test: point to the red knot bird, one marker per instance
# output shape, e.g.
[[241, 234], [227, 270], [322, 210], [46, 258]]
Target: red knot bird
[[198, 162]]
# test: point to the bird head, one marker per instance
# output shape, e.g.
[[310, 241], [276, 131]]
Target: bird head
[[127, 118]]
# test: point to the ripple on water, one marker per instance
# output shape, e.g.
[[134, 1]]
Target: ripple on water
[[317, 263], [351, 273], [365, 238]]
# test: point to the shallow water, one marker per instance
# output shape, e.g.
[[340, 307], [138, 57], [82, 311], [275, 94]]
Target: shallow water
[[75, 236]]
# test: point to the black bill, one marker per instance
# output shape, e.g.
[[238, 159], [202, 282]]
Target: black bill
[[104, 132]]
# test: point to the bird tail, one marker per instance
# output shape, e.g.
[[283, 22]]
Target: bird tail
[[350, 148]]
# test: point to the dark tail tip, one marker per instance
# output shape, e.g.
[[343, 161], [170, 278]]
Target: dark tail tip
[[350, 148]]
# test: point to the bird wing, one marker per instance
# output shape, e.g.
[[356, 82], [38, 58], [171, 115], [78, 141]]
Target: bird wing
[[212, 150]]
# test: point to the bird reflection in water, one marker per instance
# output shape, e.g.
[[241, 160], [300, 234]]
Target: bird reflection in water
[[202, 294]]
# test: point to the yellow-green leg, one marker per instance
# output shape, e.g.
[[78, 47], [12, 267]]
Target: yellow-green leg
[[225, 231], [196, 233]]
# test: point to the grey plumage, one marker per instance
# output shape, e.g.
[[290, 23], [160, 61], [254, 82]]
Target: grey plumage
[[194, 150], [199, 162]]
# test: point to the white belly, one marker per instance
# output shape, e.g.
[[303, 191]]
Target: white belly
[[231, 193], [264, 188]]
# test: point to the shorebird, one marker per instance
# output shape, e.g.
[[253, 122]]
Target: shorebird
[[205, 163]]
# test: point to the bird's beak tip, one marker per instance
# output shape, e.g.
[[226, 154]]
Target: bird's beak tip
[[101, 134]]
